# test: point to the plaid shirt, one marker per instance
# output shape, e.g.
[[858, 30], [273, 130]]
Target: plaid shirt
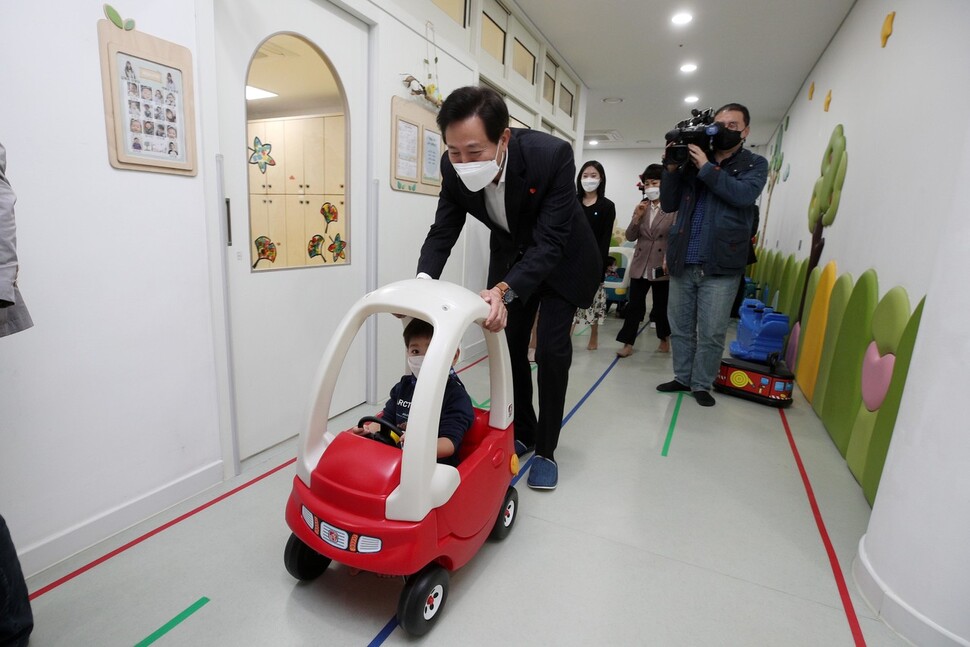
[[694, 256]]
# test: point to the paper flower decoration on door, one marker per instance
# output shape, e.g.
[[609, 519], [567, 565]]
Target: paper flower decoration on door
[[261, 156], [315, 247], [265, 248], [329, 213], [337, 248]]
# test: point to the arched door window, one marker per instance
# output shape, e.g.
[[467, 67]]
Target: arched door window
[[297, 153]]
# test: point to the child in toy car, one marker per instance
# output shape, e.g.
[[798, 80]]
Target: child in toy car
[[456, 409]]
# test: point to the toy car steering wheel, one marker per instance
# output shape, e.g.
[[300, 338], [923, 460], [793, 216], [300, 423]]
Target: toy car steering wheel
[[389, 433]]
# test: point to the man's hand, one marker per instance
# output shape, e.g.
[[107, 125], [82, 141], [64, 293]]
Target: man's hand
[[498, 314], [698, 156]]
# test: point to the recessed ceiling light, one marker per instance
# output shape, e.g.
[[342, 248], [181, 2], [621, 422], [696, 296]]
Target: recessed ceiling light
[[691, 99], [593, 142], [681, 18], [688, 67], [256, 93], [613, 100]]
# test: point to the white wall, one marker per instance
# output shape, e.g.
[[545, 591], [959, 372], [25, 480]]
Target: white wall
[[109, 402], [903, 112], [623, 167], [115, 405]]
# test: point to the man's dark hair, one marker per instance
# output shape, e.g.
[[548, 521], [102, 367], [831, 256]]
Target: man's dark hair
[[471, 101], [601, 189], [738, 107], [417, 329], [652, 172]]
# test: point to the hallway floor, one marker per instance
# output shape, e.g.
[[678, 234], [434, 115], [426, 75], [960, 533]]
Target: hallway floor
[[673, 524]]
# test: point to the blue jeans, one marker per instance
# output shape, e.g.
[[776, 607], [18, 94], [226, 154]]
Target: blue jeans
[[699, 309]]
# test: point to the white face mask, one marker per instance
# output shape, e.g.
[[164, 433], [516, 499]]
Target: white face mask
[[652, 192], [590, 184], [478, 175], [414, 363]]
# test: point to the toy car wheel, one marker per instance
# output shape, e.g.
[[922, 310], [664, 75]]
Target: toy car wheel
[[506, 516], [302, 562], [422, 600]]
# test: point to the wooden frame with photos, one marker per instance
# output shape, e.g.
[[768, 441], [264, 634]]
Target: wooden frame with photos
[[148, 86]]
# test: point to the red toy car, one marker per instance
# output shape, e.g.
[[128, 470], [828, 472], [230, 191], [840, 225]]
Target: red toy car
[[398, 511]]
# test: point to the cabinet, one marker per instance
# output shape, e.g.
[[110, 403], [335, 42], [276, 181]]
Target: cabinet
[[269, 132], [335, 153], [286, 201], [267, 216]]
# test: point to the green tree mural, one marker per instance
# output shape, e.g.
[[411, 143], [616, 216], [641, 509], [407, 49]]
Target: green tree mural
[[825, 199]]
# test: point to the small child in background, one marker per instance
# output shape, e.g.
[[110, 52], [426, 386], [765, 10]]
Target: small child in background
[[456, 409], [611, 273]]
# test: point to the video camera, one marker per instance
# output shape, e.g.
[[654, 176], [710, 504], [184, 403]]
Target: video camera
[[699, 129]]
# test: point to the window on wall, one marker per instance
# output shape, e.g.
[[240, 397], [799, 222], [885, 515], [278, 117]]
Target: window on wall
[[493, 38], [548, 88], [565, 100], [454, 8], [523, 61]]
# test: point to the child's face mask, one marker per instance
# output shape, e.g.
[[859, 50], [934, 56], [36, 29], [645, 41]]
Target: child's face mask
[[414, 363]]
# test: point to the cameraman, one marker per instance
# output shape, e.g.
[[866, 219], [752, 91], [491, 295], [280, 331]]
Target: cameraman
[[707, 247]]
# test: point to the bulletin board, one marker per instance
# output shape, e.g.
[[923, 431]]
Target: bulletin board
[[416, 148], [149, 109]]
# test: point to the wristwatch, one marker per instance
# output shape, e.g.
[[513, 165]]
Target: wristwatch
[[508, 294]]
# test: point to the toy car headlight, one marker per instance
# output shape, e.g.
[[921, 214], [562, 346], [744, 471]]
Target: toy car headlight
[[339, 538]]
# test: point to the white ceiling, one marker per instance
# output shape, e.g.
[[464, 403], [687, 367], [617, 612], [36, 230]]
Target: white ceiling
[[290, 67], [754, 52]]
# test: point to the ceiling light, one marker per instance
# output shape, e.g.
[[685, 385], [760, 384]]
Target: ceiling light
[[613, 100], [593, 142], [688, 67], [681, 18], [256, 93], [691, 99]]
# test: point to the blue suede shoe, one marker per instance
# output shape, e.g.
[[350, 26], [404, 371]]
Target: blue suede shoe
[[521, 449], [544, 474]]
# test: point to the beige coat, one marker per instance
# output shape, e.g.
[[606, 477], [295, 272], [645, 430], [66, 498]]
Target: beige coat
[[651, 240]]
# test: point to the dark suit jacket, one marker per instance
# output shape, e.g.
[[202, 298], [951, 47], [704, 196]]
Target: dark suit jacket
[[550, 241]]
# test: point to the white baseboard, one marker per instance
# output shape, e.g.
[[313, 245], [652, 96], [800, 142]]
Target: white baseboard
[[47, 552], [473, 351], [901, 617]]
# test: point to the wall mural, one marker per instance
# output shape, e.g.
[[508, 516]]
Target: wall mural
[[887, 27], [826, 195]]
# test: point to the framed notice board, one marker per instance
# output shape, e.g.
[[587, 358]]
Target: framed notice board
[[416, 148]]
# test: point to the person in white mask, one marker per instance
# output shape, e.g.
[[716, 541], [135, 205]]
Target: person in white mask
[[519, 184], [456, 408], [648, 227], [600, 214]]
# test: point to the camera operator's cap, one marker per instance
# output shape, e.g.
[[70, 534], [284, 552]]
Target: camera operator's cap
[[652, 172]]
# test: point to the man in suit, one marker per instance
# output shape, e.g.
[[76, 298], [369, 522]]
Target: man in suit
[[521, 185], [16, 620]]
